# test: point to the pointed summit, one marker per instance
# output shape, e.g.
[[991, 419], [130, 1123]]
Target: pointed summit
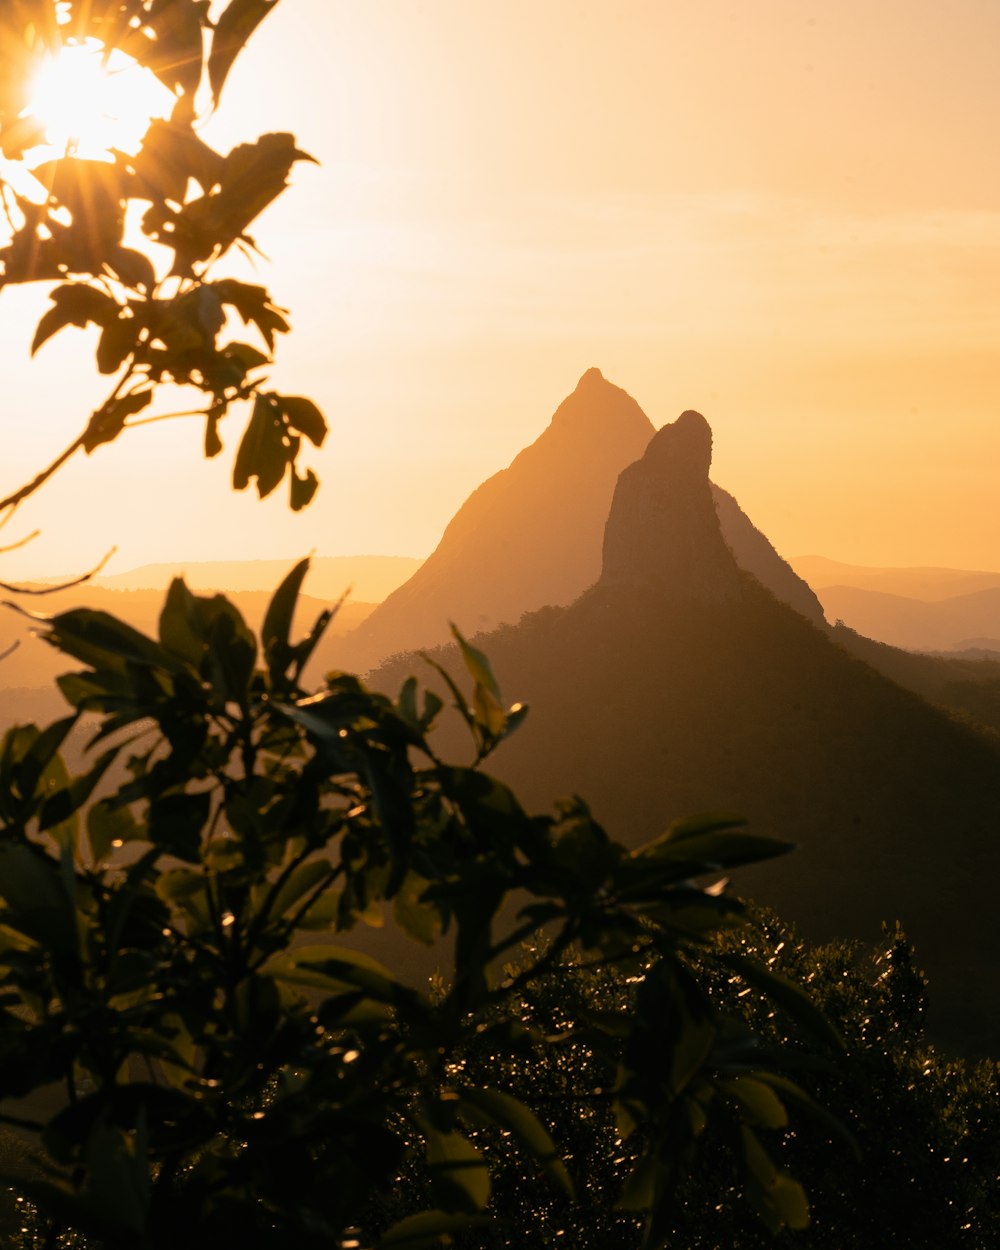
[[663, 528], [527, 537]]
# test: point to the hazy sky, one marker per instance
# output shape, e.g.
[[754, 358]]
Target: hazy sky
[[784, 214]]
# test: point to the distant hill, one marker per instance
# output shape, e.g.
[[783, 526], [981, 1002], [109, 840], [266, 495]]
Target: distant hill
[[531, 535], [369, 578], [966, 683], [950, 623], [678, 684], [27, 676], [928, 584]]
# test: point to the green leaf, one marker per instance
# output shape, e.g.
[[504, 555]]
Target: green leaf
[[178, 633], [109, 827], [428, 1230], [62, 805], [421, 920], [176, 822], [459, 1176], [334, 968], [511, 1114], [761, 1105], [301, 882], [780, 1201], [788, 996], [276, 629]]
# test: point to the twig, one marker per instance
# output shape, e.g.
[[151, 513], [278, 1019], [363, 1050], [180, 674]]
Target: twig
[[40, 479], [21, 542], [51, 590]]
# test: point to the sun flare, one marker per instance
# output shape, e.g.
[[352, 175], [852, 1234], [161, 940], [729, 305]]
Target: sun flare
[[89, 104]]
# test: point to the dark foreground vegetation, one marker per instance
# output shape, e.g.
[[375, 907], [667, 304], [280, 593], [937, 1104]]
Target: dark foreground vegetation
[[198, 1049]]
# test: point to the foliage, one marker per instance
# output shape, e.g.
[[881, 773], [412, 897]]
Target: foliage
[[194, 1045], [927, 1125], [160, 322], [198, 1063]]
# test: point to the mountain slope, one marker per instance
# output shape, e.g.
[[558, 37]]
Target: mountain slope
[[927, 583], [532, 534], [916, 624], [679, 685]]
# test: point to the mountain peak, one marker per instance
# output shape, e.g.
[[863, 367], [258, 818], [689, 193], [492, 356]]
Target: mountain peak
[[592, 376], [663, 528]]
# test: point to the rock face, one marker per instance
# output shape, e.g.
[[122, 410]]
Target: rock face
[[527, 537], [663, 529], [678, 684], [532, 534], [754, 553]]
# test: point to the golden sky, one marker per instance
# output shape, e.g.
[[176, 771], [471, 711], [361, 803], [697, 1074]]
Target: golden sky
[[781, 213]]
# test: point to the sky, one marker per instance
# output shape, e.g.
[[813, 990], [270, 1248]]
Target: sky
[[783, 214]]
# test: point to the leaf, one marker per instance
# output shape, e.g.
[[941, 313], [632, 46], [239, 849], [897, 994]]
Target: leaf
[[175, 53], [780, 1201], [132, 267], [511, 1114], [263, 453], [304, 416], [177, 631], [788, 996], [459, 1175], [236, 24], [100, 640], [108, 422], [427, 1230], [302, 881], [710, 852], [254, 306], [76, 304], [421, 920], [762, 1106], [116, 342], [109, 827], [176, 822], [275, 631], [302, 489], [71, 798], [332, 968]]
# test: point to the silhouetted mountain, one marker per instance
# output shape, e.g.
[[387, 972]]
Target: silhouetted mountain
[[528, 536], [678, 685], [916, 624], [532, 534], [753, 553], [368, 578], [928, 583], [965, 683]]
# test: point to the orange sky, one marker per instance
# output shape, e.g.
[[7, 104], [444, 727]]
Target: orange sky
[[784, 214]]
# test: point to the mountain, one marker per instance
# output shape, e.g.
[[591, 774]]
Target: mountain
[[27, 676], [368, 578], [531, 535], [928, 584], [678, 685], [953, 623]]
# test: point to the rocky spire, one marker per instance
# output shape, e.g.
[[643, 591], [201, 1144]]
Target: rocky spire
[[663, 528]]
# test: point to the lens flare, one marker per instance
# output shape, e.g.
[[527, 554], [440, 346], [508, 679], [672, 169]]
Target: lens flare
[[89, 104]]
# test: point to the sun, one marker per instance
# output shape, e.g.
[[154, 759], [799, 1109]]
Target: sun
[[88, 104]]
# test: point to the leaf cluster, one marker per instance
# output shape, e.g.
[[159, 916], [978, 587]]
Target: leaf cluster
[[183, 968], [159, 322]]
